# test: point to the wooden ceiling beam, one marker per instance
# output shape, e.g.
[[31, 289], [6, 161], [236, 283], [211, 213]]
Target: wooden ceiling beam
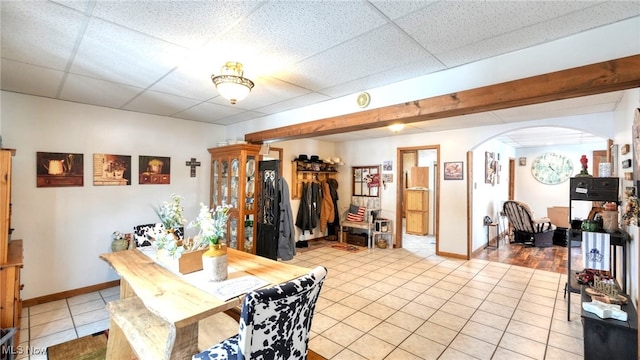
[[607, 76]]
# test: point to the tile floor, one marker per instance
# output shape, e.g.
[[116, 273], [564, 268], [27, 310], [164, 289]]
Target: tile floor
[[393, 304]]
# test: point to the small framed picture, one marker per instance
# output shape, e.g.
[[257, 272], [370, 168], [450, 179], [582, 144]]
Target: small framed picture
[[453, 170], [522, 161]]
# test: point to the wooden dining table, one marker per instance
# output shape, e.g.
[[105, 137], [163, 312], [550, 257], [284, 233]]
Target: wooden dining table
[[158, 312]]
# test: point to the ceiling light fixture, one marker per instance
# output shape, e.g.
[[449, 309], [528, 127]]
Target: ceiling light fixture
[[396, 127], [231, 82]]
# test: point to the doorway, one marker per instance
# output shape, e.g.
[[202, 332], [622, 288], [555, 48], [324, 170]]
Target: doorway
[[418, 170]]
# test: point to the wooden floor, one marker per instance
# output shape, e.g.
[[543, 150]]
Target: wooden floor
[[552, 258]]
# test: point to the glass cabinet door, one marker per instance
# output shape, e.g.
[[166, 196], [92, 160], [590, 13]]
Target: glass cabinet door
[[235, 176], [224, 183], [215, 190], [248, 234], [233, 232]]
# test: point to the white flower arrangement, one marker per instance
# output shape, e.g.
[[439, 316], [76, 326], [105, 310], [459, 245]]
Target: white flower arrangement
[[170, 213], [117, 235], [212, 224], [164, 240]]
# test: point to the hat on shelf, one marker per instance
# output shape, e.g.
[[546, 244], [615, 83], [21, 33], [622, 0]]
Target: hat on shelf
[[328, 160], [337, 161], [302, 157], [315, 159]]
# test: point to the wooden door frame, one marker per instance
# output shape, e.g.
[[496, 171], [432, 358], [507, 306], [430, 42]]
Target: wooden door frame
[[400, 187]]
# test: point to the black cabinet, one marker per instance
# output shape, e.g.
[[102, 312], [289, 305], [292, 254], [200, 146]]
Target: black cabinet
[[610, 338], [268, 209], [594, 189]]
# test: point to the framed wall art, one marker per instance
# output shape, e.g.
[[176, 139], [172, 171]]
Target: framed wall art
[[111, 169], [453, 170], [59, 169], [154, 170], [489, 167], [635, 130]]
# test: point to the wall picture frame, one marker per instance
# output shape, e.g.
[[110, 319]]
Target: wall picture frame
[[154, 170], [489, 167], [111, 170], [453, 170], [522, 161], [59, 169]]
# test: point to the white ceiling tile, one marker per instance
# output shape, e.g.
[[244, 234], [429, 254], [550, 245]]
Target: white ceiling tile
[[293, 103], [357, 58], [186, 23], [39, 33], [208, 112], [396, 9], [29, 79], [158, 103], [82, 5], [108, 51], [97, 92]]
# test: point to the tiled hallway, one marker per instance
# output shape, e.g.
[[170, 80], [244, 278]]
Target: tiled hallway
[[394, 304]]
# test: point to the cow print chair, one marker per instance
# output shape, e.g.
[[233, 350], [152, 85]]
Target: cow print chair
[[274, 322]]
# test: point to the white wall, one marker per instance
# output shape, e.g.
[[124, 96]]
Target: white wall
[[623, 123], [488, 197], [66, 229]]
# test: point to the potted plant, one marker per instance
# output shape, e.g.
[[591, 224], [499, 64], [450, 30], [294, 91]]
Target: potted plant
[[213, 224]]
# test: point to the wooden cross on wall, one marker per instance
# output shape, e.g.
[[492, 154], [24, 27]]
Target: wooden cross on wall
[[193, 163]]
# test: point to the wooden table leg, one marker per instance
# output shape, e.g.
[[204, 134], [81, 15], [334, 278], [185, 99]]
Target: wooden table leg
[[117, 345]]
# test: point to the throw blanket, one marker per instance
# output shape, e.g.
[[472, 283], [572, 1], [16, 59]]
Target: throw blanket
[[596, 250]]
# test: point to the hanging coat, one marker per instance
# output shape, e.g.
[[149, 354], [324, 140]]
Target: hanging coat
[[333, 190], [303, 218], [286, 241], [327, 211]]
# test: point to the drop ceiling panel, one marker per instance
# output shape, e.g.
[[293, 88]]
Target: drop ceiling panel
[[28, 79], [209, 112], [112, 52], [42, 35], [153, 102], [97, 92], [205, 19]]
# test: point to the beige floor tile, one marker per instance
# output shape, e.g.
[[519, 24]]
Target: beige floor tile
[[522, 345], [393, 301], [570, 328], [90, 317], [355, 302], [371, 347], [405, 321], [53, 338], [466, 300], [491, 320], [378, 310], [568, 343], [322, 322], [484, 286], [472, 346], [418, 310], [390, 333], [50, 328], [473, 292], [532, 318], [422, 347], [342, 334], [529, 331], [540, 291], [362, 321], [87, 306], [53, 305], [334, 294], [370, 294], [497, 309], [437, 333], [84, 298], [482, 332], [45, 317], [92, 328], [439, 293], [554, 353], [511, 293], [338, 311], [447, 320], [399, 354], [505, 354], [453, 354], [546, 311], [429, 300], [406, 293], [502, 300], [448, 286], [458, 309], [325, 347], [540, 300], [347, 354], [518, 286]]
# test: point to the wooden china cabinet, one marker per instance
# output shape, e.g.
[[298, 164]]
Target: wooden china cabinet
[[10, 254], [233, 182]]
